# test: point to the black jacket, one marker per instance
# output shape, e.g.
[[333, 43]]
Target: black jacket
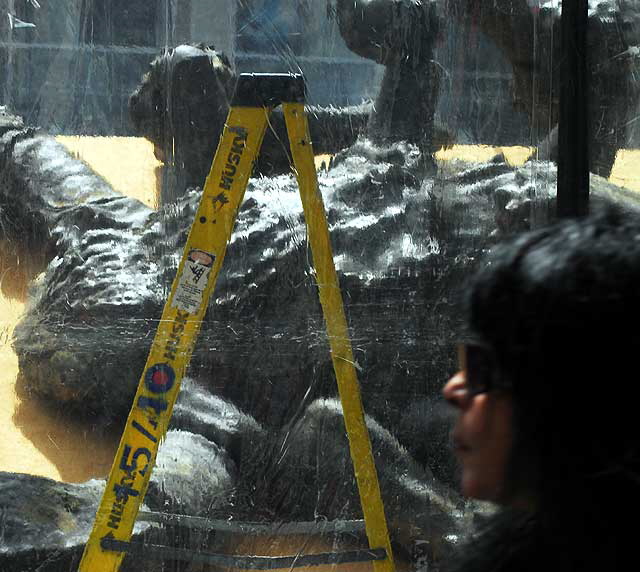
[[513, 541]]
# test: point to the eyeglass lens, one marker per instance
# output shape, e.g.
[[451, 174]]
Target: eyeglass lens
[[475, 361]]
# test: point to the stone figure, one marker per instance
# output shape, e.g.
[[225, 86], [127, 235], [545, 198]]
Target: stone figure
[[402, 34], [301, 473], [46, 523], [181, 106], [402, 37]]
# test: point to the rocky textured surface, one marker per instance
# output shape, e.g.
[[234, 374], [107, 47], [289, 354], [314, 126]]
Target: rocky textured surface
[[291, 481], [299, 473], [269, 436], [400, 246], [48, 200], [44, 524], [43, 519], [302, 472], [258, 434]]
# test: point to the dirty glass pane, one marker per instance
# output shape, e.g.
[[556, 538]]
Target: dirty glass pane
[[433, 129]]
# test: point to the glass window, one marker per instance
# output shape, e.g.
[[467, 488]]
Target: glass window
[[434, 130]]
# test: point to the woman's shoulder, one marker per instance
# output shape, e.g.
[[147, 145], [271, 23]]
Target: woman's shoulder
[[514, 541], [509, 541]]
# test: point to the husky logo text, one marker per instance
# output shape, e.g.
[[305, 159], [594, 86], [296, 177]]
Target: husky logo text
[[233, 159]]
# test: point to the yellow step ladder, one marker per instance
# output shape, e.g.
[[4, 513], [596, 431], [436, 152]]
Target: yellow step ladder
[[256, 95]]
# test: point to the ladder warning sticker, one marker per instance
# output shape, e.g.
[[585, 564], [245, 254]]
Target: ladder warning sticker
[[193, 280]]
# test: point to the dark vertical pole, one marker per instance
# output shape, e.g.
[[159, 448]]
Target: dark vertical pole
[[573, 128]]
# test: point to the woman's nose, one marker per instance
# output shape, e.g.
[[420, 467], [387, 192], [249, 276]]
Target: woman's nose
[[455, 390]]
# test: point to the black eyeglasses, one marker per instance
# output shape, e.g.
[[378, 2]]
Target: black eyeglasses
[[481, 371]]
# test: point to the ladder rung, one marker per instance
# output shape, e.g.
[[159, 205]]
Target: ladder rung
[[254, 528], [159, 551]]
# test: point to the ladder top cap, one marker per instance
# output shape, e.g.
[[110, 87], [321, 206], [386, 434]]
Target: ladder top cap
[[268, 89]]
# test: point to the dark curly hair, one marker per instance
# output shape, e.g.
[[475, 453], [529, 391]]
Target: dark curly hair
[[560, 308]]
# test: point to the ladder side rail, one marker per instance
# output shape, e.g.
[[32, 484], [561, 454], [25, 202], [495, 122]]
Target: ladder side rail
[[338, 334], [176, 334]]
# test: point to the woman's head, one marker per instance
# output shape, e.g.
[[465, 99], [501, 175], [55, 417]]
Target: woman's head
[[556, 313]]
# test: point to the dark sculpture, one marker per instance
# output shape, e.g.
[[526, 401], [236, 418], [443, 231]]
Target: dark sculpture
[[183, 100], [531, 40], [62, 201], [402, 37], [403, 245], [84, 340], [181, 106], [45, 523], [402, 34]]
